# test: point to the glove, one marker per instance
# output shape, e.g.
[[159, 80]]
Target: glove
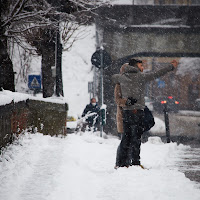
[[130, 101]]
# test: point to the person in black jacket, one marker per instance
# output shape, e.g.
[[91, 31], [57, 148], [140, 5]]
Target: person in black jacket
[[91, 115]]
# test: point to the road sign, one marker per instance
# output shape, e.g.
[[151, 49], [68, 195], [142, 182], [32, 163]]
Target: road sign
[[161, 84], [98, 55], [34, 82]]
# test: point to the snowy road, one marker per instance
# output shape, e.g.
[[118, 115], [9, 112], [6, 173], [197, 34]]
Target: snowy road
[[188, 161], [80, 167]]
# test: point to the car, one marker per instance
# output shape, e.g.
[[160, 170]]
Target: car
[[71, 124], [149, 103], [161, 101]]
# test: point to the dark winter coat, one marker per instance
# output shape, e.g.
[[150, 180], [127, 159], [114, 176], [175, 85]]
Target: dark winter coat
[[89, 109], [132, 83]]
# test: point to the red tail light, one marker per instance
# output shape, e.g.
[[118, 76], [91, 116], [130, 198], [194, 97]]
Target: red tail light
[[162, 102], [176, 102], [170, 97]]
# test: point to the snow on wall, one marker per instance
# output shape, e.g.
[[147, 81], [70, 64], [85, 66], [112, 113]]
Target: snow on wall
[[7, 97]]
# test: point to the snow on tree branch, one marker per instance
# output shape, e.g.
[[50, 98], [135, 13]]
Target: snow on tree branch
[[23, 21]]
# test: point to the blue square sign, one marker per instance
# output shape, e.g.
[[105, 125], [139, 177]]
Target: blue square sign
[[34, 82], [161, 84]]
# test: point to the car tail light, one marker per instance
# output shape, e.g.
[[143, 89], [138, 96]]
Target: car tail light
[[176, 102], [162, 102], [170, 97]]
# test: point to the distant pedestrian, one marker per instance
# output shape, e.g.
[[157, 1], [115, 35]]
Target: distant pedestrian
[[91, 115], [132, 82]]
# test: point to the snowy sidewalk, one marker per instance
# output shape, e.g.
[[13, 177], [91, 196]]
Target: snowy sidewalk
[[80, 167]]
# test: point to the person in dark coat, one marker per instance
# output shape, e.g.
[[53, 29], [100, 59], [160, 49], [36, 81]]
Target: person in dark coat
[[132, 83], [91, 114]]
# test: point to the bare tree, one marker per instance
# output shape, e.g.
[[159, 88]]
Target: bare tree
[[17, 19], [37, 22]]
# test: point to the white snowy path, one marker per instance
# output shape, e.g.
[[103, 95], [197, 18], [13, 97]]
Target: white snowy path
[[80, 167]]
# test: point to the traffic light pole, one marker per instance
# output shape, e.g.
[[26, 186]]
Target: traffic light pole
[[101, 89], [101, 59], [167, 123]]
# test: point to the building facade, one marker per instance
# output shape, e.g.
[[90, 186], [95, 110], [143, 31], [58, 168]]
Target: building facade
[[156, 34]]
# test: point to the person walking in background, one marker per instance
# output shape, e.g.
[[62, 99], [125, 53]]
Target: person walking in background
[[132, 83], [91, 115]]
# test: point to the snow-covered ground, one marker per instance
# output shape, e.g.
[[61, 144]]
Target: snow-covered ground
[[80, 167], [6, 97], [189, 113]]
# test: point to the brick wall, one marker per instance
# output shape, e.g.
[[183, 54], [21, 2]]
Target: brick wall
[[44, 117]]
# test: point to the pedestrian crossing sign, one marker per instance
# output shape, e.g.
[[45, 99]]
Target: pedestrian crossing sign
[[34, 82]]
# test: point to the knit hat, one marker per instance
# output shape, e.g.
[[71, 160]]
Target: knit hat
[[133, 62]]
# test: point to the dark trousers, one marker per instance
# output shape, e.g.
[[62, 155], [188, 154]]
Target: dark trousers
[[128, 152]]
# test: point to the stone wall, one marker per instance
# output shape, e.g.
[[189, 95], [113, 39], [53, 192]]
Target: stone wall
[[5, 124], [125, 30], [121, 44], [34, 115]]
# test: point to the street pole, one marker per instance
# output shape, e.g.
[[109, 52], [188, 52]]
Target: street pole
[[94, 82], [166, 122], [101, 59], [152, 85], [101, 77], [101, 89]]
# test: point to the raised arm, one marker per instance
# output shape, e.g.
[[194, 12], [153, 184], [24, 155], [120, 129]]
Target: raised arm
[[161, 72]]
